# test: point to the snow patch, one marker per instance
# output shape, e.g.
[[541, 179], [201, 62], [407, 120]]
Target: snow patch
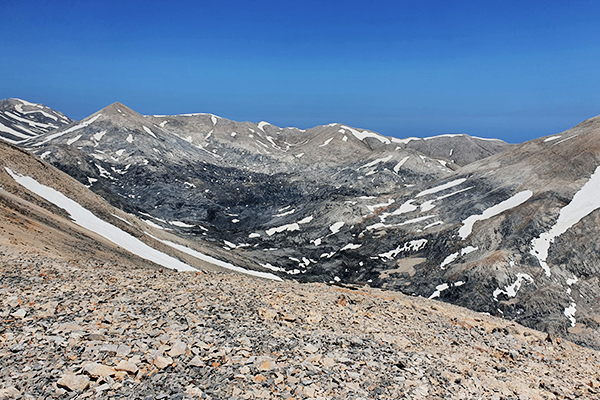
[[86, 219], [551, 138], [381, 205], [449, 259], [514, 201], [438, 290], [148, 131], [586, 200], [11, 131], [283, 228], [181, 224], [400, 164], [413, 245], [375, 162], [326, 142], [427, 206], [218, 262], [512, 290], [306, 220], [433, 224], [366, 134], [350, 246], [452, 257], [440, 188], [283, 214], [97, 136], [571, 281], [335, 228], [570, 313], [73, 140], [130, 138], [262, 124]]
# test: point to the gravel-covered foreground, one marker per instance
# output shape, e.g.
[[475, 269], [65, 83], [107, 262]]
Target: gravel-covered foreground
[[85, 330]]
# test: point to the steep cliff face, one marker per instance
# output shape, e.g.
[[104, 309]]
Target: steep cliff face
[[513, 234]]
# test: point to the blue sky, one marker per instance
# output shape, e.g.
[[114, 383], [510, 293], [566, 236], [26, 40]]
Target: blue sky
[[509, 69]]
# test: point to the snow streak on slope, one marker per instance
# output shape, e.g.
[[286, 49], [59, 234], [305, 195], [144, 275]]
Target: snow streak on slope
[[74, 128], [218, 262], [366, 134], [441, 187], [499, 208], [86, 219], [583, 203]]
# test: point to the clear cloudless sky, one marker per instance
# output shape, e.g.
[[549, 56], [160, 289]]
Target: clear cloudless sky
[[515, 70]]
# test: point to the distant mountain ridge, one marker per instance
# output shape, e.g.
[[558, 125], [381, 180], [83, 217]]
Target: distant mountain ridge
[[506, 229], [21, 120]]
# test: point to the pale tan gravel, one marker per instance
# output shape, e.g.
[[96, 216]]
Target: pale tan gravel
[[90, 330]]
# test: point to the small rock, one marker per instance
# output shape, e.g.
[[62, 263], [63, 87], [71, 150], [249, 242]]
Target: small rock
[[17, 348], [20, 313], [102, 371], [265, 363], [259, 378], [289, 317], [267, 314], [244, 370], [310, 348], [164, 338], [123, 350], [162, 362], [314, 317], [193, 391], [127, 367], [195, 362], [96, 336], [13, 302], [102, 388], [74, 382], [327, 362], [178, 349], [341, 300], [110, 348]]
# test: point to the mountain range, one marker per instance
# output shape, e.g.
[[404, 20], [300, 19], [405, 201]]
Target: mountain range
[[510, 230]]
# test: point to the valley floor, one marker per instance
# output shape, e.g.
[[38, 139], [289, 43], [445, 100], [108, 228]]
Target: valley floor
[[73, 329]]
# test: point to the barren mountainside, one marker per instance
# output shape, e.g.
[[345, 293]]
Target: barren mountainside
[[510, 230]]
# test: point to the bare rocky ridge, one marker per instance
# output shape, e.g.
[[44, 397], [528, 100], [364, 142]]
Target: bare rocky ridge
[[461, 149], [21, 120]]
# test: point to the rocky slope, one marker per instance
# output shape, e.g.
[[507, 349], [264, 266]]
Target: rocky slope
[[513, 234], [90, 329], [21, 120], [44, 209]]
